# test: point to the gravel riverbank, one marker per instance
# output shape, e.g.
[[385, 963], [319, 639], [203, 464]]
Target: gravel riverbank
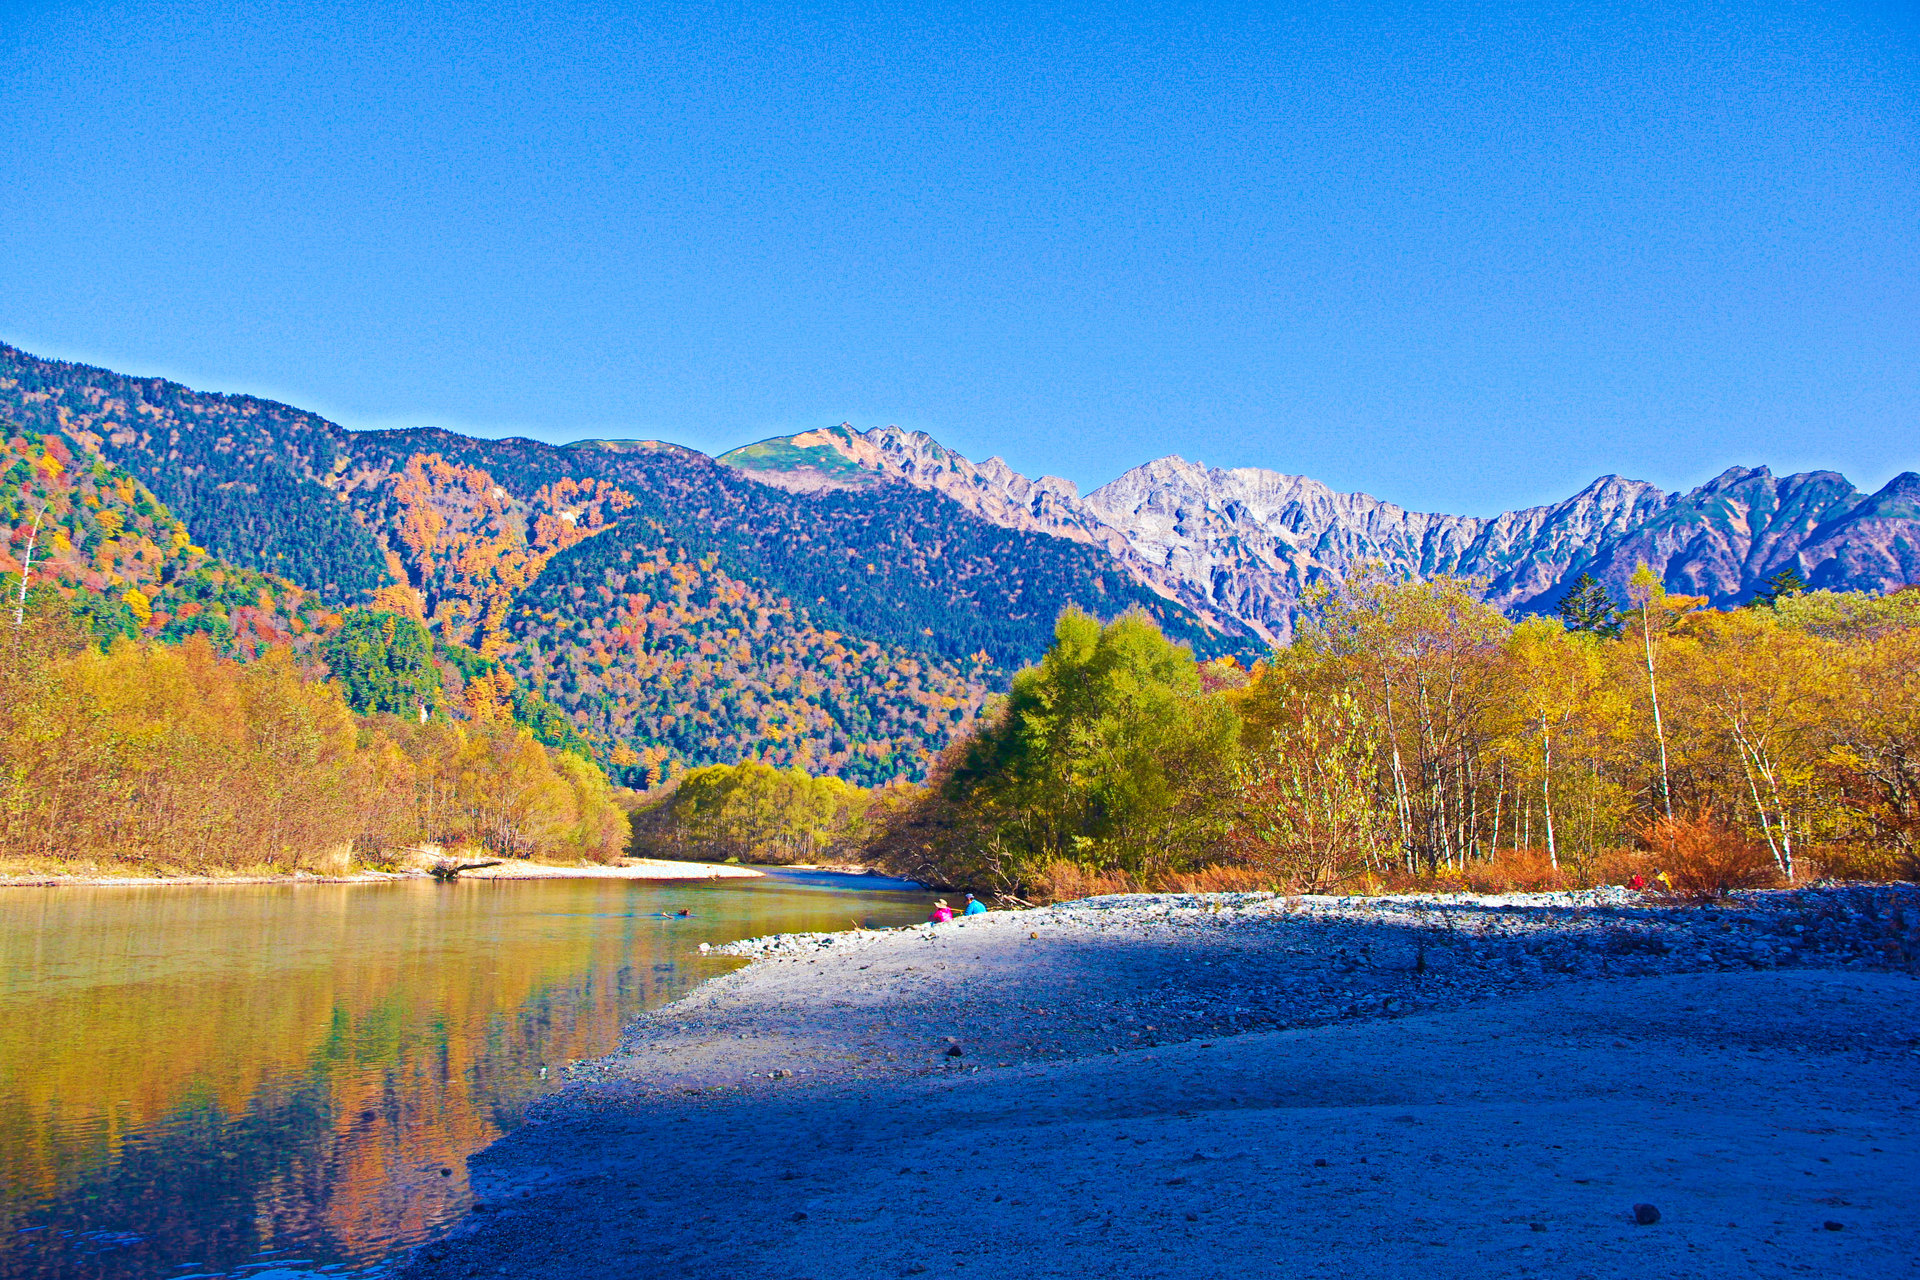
[[1148, 1085], [495, 869]]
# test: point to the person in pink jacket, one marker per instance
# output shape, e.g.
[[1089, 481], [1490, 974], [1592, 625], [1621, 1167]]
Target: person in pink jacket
[[941, 911]]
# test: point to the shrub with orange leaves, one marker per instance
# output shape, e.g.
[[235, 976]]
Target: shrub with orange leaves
[[1062, 880], [1702, 858]]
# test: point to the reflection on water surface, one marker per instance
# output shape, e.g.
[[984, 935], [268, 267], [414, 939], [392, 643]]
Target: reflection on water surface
[[287, 1080]]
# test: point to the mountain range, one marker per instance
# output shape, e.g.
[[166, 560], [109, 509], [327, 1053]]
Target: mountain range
[[840, 600], [1240, 547], [677, 612]]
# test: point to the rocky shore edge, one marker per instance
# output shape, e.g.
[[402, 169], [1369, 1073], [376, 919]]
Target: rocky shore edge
[[1404, 952], [1440, 1085], [502, 869]]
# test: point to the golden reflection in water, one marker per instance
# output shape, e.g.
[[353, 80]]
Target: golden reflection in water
[[194, 1075]]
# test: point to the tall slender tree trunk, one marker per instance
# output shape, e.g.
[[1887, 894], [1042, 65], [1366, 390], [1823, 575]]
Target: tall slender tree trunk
[[1752, 762], [1439, 839], [1470, 812], [1402, 811], [1759, 808], [1653, 692], [1499, 794], [1786, 827], [1546, 789], [26, 567]]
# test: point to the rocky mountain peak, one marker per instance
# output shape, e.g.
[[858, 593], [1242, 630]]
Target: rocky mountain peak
[[1241, 545]]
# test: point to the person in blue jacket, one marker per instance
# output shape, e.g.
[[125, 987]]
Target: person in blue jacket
[[975, 907]]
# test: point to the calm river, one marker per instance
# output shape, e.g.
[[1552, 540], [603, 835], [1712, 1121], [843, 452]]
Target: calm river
[[286, 1081]]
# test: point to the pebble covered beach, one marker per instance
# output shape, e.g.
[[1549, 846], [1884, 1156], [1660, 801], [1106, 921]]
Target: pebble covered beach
[[1175, 1084]]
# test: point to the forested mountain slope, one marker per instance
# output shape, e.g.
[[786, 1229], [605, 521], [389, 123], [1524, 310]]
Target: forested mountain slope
[[841, 458], [675, 659], [683, 615], [246, 475], [89, 532], [876, 621], [894, 564]]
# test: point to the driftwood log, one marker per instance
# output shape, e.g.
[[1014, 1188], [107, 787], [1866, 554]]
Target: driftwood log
[[452, 870]]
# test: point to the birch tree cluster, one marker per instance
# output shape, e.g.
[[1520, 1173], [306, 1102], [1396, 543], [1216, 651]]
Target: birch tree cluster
[[753, 812], [1412, 734], [175, 757]]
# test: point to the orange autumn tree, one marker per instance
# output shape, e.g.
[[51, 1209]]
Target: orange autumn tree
[[468, 547], [149, 754]]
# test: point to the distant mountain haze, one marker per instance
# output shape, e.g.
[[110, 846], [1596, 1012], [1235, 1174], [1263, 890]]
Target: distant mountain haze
[[839, 600]]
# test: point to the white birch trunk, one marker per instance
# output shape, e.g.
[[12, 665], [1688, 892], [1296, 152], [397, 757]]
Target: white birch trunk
[[1546, 789]]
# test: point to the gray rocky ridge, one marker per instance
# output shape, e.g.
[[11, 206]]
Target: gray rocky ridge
[[1241, 546]]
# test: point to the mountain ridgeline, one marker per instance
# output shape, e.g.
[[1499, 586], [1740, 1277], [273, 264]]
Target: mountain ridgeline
[[839, 600], [682, 613], [1241, 547], [247, 476]]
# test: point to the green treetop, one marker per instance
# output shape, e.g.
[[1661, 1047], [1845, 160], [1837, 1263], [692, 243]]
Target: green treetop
[[384, 662], [1776, 587], [1103, 748], [1587, 607]]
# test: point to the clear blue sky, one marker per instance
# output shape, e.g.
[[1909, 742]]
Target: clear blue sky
[[1464, 258]]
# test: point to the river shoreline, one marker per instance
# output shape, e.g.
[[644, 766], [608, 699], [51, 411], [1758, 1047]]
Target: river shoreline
[[1189, 1085], [505, 869]]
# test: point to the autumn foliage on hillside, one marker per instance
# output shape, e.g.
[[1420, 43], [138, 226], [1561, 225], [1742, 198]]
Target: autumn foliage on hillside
[[466, 547], [102, 542], [473, 526], [678, 661], [649, 662], [244, 474]]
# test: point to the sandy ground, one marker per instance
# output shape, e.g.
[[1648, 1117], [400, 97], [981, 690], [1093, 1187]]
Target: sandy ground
[[508, 869], [630, 869], [1197, 1087]]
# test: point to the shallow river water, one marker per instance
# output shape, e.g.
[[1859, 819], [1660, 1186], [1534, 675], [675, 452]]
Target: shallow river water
[[282, 1081]]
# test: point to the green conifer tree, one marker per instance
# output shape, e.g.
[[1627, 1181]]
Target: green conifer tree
[[384, 662], [1587, 607], [1776, 587]]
